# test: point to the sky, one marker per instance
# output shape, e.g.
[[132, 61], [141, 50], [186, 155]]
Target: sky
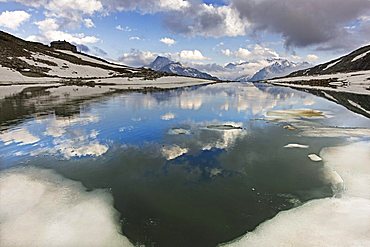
[[207, 34]]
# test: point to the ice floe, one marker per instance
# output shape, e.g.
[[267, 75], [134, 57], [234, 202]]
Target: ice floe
[[295, 145], [325, 222], [314, 157], [40, 208], [174, 151]]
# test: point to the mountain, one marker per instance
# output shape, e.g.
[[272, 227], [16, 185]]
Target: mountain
[[358, 60], [166, 65], [24, 59], [278, 68]]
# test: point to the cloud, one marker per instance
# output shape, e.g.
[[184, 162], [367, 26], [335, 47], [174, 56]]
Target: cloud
[[125, 29], [146, 6], [302, 23], [137, 58], [168, 41], [207, 20], [49, 31], [255, 52], [312, 57], [192, 55], [134, 38], [89, 23], [13, 19]]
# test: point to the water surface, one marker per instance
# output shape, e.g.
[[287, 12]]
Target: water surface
[[189, 167]]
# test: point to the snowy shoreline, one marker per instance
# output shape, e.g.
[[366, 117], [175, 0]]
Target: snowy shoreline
[[354, 82]]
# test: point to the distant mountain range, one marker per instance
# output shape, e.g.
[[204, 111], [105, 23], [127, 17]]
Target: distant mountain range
[[276, 68], [358, 60], [164, 64]]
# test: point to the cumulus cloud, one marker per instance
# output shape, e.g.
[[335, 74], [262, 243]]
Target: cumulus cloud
[[137, 58], [192, 55], [13, 19], [302, 23], [126, 29], [254, 52], [89, 23], [167, 41], [207, 20], [49, 31], [312, 57]]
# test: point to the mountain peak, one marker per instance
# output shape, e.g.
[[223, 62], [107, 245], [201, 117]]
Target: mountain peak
[[164, 64], [160, 62]]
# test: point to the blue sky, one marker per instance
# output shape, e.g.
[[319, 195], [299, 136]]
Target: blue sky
[[194, 31]]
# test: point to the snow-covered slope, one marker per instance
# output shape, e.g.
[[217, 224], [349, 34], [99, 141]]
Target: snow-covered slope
[[35, 60], [359, 60], [164, 64]]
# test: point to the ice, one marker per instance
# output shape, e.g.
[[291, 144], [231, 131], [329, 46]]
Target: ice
[[41, 208], [314, 157], [326, 222], [174, 151], [295, 145]]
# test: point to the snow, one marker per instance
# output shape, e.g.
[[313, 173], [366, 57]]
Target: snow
[[342, 221], [295, 145], [357, 82], [360, 56], [332, 64], [40, 208], [67, 69], [90, 59], [174, 151], [314, 157]]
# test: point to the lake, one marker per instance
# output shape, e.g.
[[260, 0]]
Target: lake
[[188, 167]]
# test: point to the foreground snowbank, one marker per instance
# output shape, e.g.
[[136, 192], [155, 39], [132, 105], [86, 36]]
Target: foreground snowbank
[[41, 208], [341, 221]]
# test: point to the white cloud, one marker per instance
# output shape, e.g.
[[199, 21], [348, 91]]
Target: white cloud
[[13, 19], [255, 52], [168, 41], [134, 38], [89, 23], [226, 52], [192, 55], [312, 57], [137, 58], [47, 24]]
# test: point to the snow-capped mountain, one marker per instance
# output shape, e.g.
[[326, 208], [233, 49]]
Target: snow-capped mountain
[[278, 68], [164, 64]]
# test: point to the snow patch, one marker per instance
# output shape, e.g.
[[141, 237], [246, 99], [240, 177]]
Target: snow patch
[[41, 208]]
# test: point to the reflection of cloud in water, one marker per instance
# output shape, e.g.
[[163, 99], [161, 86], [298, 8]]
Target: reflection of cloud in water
[[40, 208], [58, 126], [191, 102], [225, 139], [326, 222], [77, 144], [21, 136], [168, 116], [172, 152]]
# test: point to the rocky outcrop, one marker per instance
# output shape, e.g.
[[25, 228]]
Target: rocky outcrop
[[63, 45]]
